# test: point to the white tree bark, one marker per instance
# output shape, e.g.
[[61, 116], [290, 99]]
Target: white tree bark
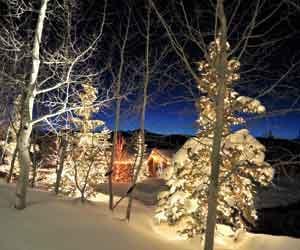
[[32, 90], [26, 114]]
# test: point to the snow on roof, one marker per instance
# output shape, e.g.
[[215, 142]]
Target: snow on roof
[[167, 154]]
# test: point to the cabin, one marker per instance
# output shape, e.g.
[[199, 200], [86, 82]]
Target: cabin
[[155, 163], [158, 160]]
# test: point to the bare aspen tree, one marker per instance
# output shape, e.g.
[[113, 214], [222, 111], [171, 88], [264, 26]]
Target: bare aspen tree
[[62, 153], [14, 128], [26, 115], [63, 135], [141, 135], [35, 162], [12, 165], [48, 88], [221, 72], [13, 55], [118, 97]]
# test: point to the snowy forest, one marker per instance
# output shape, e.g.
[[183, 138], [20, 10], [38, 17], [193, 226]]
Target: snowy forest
[[149, 125]]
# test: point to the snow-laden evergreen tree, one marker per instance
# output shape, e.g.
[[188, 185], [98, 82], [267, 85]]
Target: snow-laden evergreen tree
[[87, 159], [242, 165]]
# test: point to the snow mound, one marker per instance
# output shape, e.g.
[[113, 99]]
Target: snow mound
[[145, 191]]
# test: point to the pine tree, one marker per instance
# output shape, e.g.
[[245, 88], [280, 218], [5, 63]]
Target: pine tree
[[87, 159], [242, 160]]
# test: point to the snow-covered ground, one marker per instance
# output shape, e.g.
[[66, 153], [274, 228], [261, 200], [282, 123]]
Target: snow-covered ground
[[145, 191], [51, 223]]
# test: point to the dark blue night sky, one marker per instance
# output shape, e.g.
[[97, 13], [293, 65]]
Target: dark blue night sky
[[180, 119]]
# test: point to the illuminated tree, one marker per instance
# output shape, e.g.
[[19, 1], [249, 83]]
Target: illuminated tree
[[242, 164], [122, 170], [47, 86], [87, 160], [140, 151]]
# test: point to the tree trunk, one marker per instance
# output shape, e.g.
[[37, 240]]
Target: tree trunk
[[113, 153], [141, 139], [16, 131], [82, 197], [117, 117], [64, 139], [214, 175], [34, 159], [5, 144], [12, 165], [26, 113], [139, 163], [25, 163], [34, 167], [62, 156], [221, 68]]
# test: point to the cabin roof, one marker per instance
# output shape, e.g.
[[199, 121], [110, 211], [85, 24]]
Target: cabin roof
[[166, 154]]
